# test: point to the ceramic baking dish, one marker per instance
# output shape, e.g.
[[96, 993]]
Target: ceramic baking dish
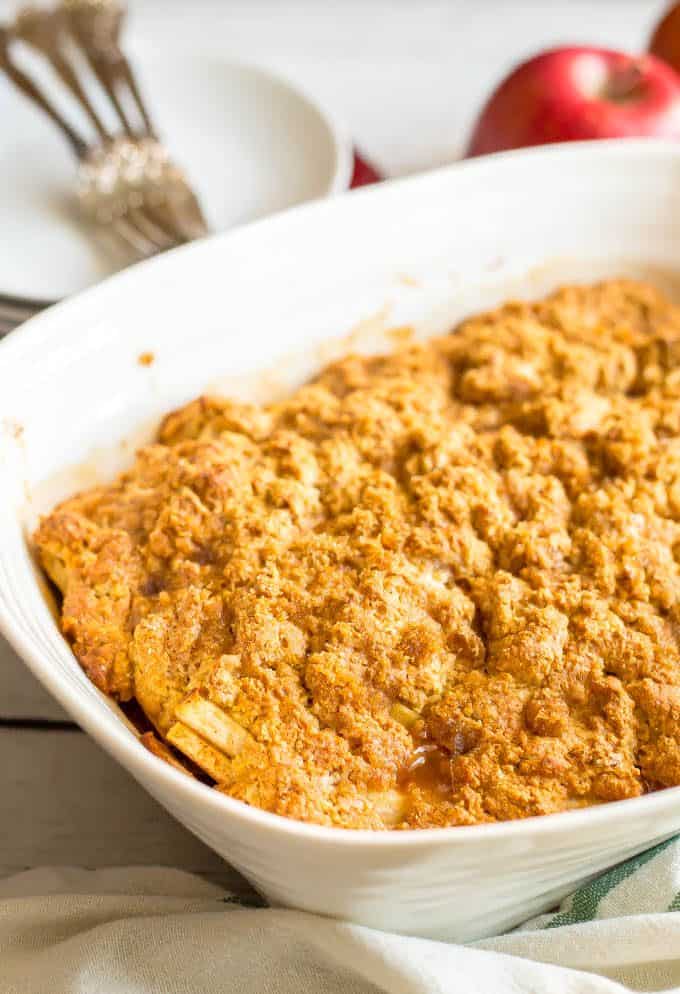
[[251, 312]]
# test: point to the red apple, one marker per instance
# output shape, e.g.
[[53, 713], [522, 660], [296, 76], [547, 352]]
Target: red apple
[[363, 173], [665, 42], [572, 94]]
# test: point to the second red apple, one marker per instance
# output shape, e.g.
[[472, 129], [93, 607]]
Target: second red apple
[[571, 94]]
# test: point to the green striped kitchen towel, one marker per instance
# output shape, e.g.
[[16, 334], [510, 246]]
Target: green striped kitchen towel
[[623, 925], [649, 882]]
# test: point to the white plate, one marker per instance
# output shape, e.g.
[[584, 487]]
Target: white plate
[[217, 313], [250, 142]]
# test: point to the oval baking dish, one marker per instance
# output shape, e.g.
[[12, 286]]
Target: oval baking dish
[[249, 313]]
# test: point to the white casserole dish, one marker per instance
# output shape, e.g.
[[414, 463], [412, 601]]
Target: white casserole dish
[[426, 251]]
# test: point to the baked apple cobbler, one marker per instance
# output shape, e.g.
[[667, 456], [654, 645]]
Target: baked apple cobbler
[[436, 587]]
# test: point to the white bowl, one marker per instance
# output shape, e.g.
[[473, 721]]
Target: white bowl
[[424, 250], [251, 143]]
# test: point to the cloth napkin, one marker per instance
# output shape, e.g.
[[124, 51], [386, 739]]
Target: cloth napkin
[[162, 931]]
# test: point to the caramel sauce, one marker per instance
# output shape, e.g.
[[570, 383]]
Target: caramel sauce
[[429, 768], [134, 714], [153, 585]]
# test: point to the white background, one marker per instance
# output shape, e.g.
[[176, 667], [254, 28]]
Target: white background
[[407, 79]]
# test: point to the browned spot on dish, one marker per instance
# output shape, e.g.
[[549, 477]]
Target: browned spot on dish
[[407, 280], [15, 429]]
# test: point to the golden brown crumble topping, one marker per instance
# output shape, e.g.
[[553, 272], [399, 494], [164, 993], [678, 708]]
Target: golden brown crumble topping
[[436, 587]]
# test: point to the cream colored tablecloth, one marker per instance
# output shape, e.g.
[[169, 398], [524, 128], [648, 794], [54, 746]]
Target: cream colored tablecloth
[[161, 931]]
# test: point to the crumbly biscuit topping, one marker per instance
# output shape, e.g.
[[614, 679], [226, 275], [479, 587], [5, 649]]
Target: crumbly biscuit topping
[[436, 587]]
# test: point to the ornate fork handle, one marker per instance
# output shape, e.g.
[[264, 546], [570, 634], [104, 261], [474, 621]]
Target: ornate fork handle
[[44, 31], [96, 26], [127, 182], [34, 93]]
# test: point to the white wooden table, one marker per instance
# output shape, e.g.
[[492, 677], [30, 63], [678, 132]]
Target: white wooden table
[[407, 76]]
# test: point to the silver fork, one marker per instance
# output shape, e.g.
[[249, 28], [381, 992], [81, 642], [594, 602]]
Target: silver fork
[[15, 310], [127, 182]]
